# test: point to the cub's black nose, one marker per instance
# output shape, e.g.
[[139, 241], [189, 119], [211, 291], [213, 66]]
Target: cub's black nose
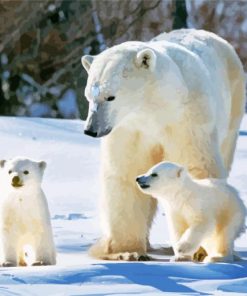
[[90, 133], [16, 180], [142, 182], [141, 179]]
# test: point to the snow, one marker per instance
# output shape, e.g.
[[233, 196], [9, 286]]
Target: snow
[[67, 105], [71, 185]]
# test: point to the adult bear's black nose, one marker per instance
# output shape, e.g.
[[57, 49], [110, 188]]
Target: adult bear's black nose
[[90, 133], [138, 179]]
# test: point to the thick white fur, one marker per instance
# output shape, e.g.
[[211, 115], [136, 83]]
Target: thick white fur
[[207, 213], [186, 108], [24, 214]]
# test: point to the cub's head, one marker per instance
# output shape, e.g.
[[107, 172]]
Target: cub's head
[[162, 177], [123, 82], [22, 172]]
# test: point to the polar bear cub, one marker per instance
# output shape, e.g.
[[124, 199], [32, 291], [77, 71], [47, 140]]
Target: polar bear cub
[[24, 213], [206, 212]]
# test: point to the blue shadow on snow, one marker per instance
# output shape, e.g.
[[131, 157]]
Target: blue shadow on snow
[[165, 277]]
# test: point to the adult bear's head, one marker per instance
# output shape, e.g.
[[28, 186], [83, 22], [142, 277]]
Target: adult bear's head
[[123, 83]]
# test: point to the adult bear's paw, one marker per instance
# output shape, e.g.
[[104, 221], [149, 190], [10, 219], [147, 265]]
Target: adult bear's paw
[[133, 256], [127, 256]]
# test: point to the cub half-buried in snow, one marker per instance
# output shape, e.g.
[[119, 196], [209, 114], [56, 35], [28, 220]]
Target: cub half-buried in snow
[[206, 212], [24, 213]]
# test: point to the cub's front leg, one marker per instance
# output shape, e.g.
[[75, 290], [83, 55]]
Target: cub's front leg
[[177, 227], [9, 249], [190, 241], [126, 213], [45, 252]]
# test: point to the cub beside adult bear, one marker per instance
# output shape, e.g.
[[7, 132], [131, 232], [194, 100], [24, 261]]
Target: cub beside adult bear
[[24, 214], [180, 98], [207, 213]]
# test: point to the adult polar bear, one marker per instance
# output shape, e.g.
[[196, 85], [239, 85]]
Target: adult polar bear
[[180, 98]]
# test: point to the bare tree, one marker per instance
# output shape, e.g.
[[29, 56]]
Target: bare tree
[[180, 15], [41, 42]]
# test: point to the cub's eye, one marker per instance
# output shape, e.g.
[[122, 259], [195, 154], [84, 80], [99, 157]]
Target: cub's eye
[[110, 99], [154, 175], [26, 172], [10, 172]]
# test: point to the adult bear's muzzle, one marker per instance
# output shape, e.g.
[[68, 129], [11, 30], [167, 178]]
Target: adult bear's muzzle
[[95, 125], [91, 124]]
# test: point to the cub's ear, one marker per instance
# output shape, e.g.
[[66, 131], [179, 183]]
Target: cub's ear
[[42, 165], [180, 172], [146, 58], [86, 61], [2, 163]]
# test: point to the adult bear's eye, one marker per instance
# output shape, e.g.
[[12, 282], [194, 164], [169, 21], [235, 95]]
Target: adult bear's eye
[[26, 172], [154, 175], [111, 98], [10, 172]]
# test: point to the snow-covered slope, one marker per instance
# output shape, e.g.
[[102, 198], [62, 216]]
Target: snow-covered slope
[[72, 187]]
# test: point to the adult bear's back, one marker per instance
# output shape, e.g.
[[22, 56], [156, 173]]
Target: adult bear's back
[[221, 61]]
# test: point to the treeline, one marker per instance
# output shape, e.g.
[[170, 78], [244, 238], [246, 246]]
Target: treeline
[[41, 43]]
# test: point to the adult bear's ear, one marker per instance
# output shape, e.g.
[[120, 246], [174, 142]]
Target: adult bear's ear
[[2, 163], [86, 61], [146, 58]]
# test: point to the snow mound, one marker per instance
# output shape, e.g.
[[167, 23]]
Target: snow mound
[[71, 186]]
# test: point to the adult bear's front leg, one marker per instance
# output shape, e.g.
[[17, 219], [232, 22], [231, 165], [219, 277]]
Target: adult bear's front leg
[[125, 211], [125, 214]]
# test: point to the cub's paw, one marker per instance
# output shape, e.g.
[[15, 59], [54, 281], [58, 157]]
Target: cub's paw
[[184, 247], [40, 263], [215, 259], [181, 258], [9, 264], [22, 263], [200, 255]]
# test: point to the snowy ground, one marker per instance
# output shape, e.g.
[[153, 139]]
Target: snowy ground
[[71, 185]]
